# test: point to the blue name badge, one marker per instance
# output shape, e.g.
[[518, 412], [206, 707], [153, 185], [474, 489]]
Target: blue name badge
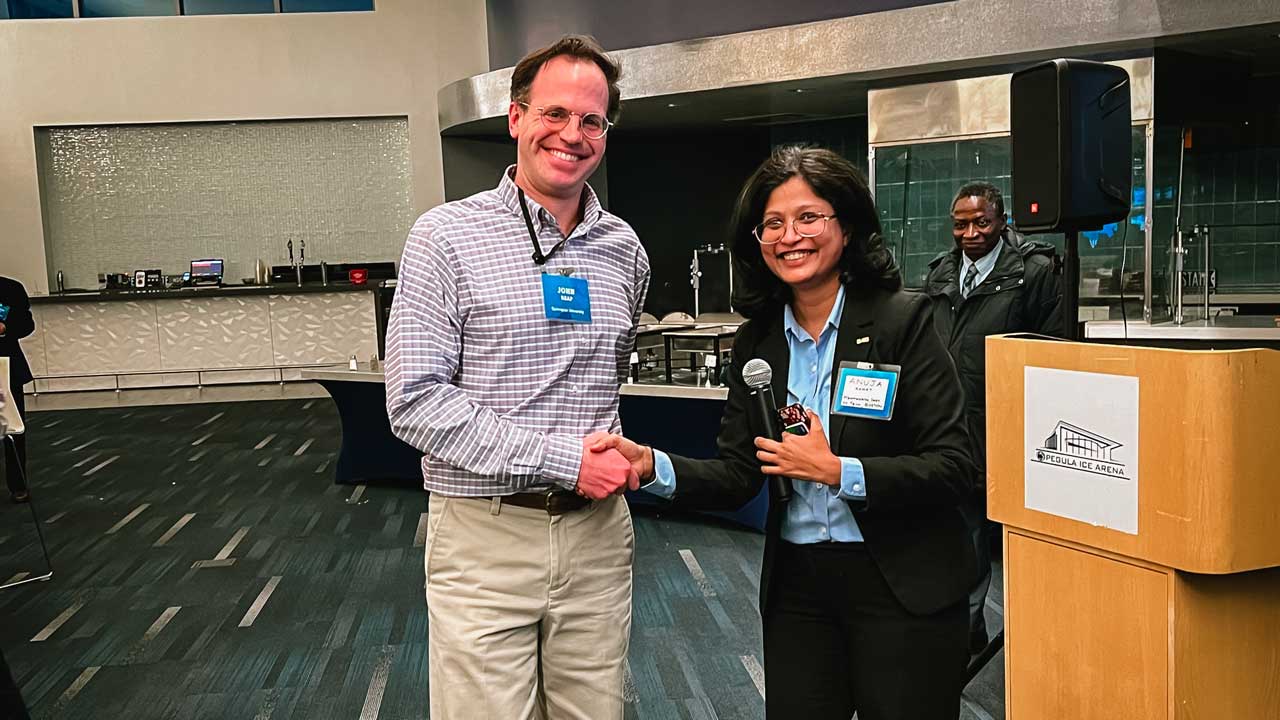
[[866, 390], [566, 298]]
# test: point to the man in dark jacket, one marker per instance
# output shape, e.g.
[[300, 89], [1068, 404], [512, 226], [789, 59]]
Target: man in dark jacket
[[993, 281], [15, 323]]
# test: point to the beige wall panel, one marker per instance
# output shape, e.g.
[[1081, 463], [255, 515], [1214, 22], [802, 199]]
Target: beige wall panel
[[33, 346], [220, 332], [389, 62], [107, 337], [322, 328]]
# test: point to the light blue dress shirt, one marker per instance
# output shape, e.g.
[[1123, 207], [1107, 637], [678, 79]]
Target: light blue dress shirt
[[985, 264], [816, 513]]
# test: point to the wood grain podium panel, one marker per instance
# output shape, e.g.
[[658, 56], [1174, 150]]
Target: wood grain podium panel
[[1226, 631], [1087, 635], [1208, 435]]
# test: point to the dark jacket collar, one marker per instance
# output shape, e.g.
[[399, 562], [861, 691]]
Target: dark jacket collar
[[944, 270], [854, 343]]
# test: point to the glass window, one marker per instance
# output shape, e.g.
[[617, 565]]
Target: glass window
[[325, 5], [1230, 206], [34, 9], [914, 187], [127, 8], [916, 183], [844, 136], [227, 7]]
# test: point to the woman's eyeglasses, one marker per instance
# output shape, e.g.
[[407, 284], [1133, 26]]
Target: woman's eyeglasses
[[806, 225]]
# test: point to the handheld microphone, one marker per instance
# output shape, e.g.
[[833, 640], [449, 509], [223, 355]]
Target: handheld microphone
[[764, 414]]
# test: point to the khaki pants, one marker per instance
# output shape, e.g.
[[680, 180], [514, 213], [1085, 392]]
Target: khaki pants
[[529, 614]]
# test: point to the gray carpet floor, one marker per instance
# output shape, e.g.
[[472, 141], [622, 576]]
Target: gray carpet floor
[[207, 567]]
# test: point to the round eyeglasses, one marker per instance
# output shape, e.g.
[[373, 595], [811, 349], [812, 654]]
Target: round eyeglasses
[[806, 225], [556, 118]]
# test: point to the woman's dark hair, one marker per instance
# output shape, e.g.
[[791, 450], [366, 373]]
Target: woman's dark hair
[[865, 262]]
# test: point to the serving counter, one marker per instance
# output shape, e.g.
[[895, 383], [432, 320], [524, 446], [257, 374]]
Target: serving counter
[[1226, 332], [196, 336]]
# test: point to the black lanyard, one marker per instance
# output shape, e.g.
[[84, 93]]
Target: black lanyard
[[538, 257]]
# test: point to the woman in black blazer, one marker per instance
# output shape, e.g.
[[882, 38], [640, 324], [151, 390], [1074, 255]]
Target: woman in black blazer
[[866, 571]]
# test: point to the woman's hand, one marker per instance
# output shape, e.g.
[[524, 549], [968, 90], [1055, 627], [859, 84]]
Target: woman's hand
[[800, 457]]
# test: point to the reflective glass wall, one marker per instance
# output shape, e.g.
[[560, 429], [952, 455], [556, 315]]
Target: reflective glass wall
[[35, 9], [1231, 197], [916, 183]]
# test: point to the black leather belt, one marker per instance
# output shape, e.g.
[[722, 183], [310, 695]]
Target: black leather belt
[[556, 502]]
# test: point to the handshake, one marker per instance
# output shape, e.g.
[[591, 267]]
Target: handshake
[[611, 465]]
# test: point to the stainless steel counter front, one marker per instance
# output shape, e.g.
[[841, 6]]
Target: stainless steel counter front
[[1247, 328]]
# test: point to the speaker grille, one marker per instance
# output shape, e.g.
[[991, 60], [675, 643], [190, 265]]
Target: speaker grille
[[1038, 161]]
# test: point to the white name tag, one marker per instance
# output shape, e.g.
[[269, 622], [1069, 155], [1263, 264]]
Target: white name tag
[[866, 391]]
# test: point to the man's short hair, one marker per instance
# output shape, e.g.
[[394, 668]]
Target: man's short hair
[[582, 47], [984, 190]]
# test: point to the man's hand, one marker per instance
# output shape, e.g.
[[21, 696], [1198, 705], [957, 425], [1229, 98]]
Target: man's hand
[[604, 472], [800, 457], [2, 328], [640, 456]]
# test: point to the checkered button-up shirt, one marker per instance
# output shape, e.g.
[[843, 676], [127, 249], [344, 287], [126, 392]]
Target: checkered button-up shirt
[[497, 396]]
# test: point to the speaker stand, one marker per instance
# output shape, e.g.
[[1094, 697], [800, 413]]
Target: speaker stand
[[1071, 287]]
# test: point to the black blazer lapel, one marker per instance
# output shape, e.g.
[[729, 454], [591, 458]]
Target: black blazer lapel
[[773, 350], [771, 346], [854, 343]]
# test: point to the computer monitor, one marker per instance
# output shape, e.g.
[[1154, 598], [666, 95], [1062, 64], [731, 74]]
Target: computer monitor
[[206, 271]]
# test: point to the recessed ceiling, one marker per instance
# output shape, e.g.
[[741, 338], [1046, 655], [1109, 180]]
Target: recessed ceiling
[[842, 96]]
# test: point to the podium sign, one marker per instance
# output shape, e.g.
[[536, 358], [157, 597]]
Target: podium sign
[[1081, 440]]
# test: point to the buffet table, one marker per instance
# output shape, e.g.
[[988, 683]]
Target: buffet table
[[681, 419]]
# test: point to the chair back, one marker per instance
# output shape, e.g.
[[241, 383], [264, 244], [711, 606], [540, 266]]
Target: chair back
[[10, 420]]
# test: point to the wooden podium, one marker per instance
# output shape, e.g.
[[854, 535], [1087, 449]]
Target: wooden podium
[[1179, 620]]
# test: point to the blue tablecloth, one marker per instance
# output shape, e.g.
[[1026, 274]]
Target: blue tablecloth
[[371, 453]]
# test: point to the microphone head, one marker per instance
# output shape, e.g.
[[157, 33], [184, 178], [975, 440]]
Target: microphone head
[[757, 373]]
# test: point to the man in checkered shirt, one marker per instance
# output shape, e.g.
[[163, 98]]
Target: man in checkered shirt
[[512, 325]]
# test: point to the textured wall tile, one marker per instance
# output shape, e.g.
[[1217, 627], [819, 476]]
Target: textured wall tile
[[123, 197], [33, 346], [223, 332], [323, 328], [83, 338]]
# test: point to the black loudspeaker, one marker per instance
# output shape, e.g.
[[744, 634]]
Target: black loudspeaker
[[1070, 121]]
